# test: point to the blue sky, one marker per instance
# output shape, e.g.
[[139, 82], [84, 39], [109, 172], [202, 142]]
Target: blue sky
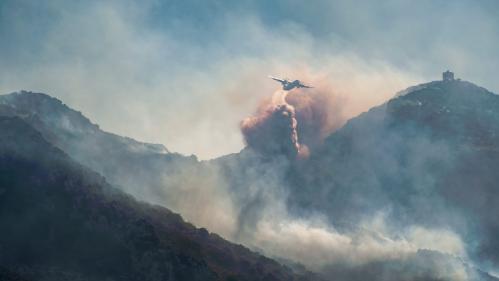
[[185, 73]]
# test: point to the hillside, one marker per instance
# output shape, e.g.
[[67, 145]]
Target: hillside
[[140, 169], [61, 221], [427, 157]]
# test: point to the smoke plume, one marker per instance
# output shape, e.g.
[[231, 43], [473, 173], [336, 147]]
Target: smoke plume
[[273, 130], [319, 112], [292, 123]]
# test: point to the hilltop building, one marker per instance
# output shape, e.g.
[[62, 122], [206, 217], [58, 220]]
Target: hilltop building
[[448, 76]]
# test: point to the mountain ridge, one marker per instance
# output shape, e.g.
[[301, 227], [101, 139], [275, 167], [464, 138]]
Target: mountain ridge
[[417, 155], [113, 156], [81, 228], [47, 107]]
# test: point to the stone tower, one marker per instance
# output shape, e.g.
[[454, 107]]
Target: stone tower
[[448, 76]]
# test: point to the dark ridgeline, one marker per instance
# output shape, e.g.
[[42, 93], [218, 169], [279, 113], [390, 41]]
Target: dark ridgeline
[[430, 155], [135, 167], [62, 221]]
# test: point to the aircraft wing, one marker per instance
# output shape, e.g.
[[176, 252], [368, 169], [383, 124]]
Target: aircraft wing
[[276, 79], [303, 86]]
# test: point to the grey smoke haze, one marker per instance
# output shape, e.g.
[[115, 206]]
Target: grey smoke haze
[[170, 63], [185, 73], [258, 209], [260, 217]]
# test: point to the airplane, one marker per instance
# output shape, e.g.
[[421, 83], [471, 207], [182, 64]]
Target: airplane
[[289, 85]]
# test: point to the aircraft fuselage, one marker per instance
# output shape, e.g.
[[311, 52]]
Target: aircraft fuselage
[[290, 85]]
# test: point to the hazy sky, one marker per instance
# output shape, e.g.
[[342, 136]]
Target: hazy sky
[[185, 73]]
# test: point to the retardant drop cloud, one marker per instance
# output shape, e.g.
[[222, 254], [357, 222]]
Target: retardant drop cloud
[[273, 129]]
